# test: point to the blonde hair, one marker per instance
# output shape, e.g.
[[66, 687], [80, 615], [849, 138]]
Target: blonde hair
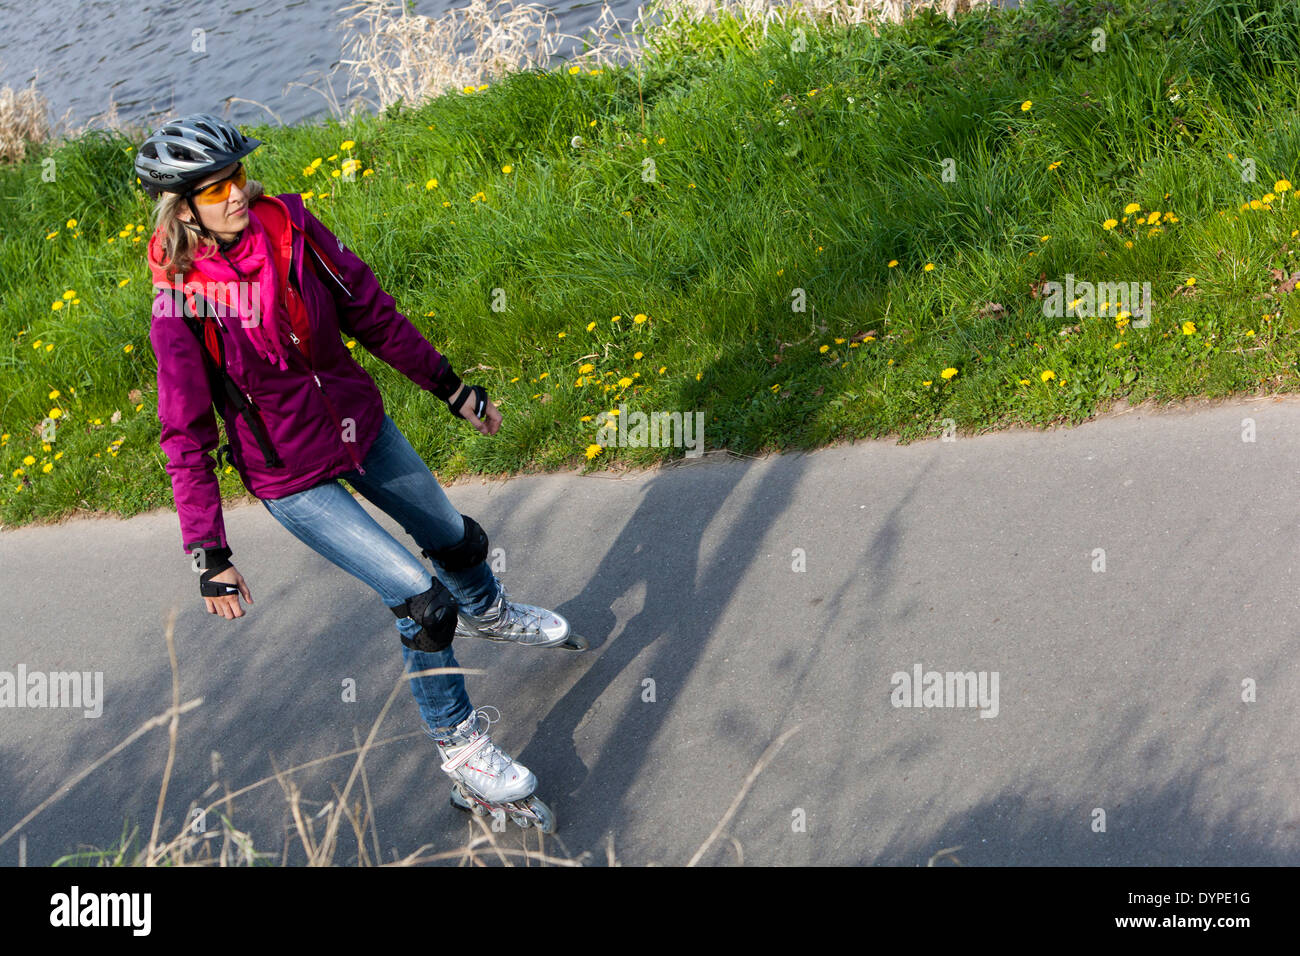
[[182, 246]]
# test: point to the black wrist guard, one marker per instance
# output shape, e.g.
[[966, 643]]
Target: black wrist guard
[[458, 399]]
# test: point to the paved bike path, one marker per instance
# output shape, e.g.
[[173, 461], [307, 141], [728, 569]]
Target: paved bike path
[[728, 601]]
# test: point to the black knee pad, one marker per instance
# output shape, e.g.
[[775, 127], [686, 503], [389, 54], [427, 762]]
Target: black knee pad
[[435, 611], [471, 549]]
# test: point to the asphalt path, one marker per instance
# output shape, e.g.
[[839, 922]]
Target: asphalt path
[[1145, 710]]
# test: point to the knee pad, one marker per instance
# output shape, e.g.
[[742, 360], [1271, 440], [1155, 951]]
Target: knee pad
[[435, 611], [471, 549]]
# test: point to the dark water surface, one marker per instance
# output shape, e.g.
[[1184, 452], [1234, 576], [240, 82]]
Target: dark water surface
[[86, 53]]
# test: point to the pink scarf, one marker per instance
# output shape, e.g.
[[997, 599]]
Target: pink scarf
[[252, 256]]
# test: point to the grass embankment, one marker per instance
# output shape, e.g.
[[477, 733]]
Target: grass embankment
[[809, 237]]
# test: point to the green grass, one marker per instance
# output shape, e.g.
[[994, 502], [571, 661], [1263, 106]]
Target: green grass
[[765, 195]]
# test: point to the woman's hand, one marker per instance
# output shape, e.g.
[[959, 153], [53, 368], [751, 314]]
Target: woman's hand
[[491, 414], [228, 605]]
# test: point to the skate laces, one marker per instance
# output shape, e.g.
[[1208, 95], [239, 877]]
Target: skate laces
[[511, 617], [480, 745]]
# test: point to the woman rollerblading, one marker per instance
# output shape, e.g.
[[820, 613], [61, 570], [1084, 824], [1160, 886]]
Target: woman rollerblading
[[254, 295]]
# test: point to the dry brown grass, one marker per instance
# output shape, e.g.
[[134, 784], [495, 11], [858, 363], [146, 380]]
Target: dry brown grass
[[317, 832], [24, 120]]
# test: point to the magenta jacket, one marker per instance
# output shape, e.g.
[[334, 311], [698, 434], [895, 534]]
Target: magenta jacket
[[304, 409]]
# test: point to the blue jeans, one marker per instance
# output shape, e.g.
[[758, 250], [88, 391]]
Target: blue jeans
[[331, 522]]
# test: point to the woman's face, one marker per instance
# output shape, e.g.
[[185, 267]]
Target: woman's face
[[225, 219]]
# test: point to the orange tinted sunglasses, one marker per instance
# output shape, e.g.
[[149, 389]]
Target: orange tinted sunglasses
[[220, 190]]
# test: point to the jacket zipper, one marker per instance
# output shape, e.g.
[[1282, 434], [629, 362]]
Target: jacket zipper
[[338, 422], [289, 285]]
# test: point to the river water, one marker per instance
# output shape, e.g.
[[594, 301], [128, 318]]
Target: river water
[[137, 54]]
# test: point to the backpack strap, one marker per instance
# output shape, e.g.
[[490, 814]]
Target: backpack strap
[[202, 321]]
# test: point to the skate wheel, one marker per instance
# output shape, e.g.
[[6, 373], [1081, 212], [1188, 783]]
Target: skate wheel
[[544, 819], [575, 643], [522, 820]]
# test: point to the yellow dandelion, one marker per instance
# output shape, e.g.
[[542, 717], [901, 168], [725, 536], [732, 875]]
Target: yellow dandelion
[[929, 267], [637, 355], [29, 460], [507, 169], [616, 318], [1189, 328], [346, 144], [698, 376], [1191, 280], [431, 184], [47, 467], [1043, 238], [1281, 186], [1026, 106], [639, 318], [927, 384], [585, 418], [590, 326], [948, 373], [586, 368], [593, 451], [54, 393], [1109, 224], [351, 343], [824, 348], [122, 282], [1131, 208], [662, 369], [1047, 375], [72, 224], [55, 413], [892, 263], [561, 335], [624, 382], [128, 348]]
